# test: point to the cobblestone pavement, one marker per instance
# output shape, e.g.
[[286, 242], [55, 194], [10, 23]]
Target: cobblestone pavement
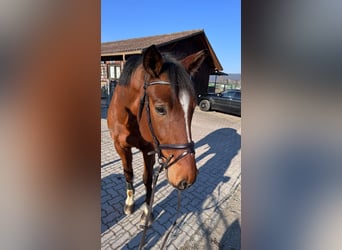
[[210, 214]]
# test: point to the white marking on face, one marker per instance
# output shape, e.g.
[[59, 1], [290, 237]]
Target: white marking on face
[[184, 99]]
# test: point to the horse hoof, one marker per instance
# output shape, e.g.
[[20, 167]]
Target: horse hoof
[[144, 219], [129, 209]]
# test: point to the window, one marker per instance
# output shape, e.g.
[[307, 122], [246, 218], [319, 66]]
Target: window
[[237, 95], [114, 71], [228, 94], [103, 72]]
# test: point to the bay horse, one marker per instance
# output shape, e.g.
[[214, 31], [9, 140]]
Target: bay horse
[[151, 110]]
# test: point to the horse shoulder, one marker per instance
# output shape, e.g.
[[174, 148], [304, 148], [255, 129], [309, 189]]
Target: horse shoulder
[[122, 115]]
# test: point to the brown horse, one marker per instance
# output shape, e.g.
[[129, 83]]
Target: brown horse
[[152, 109]]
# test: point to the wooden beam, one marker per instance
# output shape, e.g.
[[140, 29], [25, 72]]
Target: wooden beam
[[122, 53]]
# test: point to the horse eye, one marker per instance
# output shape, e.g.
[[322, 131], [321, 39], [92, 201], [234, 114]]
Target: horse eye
[[161, 110]]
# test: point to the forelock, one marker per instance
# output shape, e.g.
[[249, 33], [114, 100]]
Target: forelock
[[178, 77]]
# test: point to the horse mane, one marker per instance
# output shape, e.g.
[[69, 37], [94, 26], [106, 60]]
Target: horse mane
[[130, 66], [179, 78]]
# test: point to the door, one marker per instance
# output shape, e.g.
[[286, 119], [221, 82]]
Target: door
[[235, 102], [225, 101], [221, 102]]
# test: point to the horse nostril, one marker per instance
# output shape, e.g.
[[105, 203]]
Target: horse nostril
[[183, 185]]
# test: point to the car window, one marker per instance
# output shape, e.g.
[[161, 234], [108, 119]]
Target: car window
[[228, 94], [237, 95]]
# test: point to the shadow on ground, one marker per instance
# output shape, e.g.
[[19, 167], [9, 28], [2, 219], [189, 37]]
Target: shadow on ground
[[221, 146]]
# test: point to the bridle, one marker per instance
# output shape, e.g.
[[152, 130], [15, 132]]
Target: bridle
[[162, 159], [164, 162]]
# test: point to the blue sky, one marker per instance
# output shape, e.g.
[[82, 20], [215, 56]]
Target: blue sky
[[221, 21]]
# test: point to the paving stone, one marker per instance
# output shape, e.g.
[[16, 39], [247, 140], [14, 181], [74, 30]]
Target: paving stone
[[209, 217]]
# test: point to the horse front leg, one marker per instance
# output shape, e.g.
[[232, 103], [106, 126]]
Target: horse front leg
[[125, 154], [149, 161]]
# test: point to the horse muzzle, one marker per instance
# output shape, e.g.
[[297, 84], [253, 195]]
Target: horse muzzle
[[183, 173]]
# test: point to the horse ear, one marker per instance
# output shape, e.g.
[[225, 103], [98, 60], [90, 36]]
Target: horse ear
[[194, 61], [152, 61]]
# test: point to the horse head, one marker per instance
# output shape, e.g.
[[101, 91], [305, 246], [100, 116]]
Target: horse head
[[166, 112]]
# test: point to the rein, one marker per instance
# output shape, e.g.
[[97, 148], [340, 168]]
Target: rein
[[164, 162], [159, 169]]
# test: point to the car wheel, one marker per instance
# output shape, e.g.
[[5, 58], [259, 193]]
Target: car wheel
[[204, 105]]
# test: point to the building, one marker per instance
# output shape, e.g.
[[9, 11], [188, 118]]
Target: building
[[181, 44], [220, 82]]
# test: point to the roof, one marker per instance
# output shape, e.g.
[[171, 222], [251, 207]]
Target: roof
[[136, 45]]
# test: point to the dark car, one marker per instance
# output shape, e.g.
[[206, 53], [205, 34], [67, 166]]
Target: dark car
[[228, 101]]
